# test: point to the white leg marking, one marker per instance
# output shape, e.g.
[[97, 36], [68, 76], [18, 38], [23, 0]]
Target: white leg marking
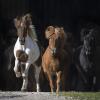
[[37, 73], [25, 76], [25, 73], [25, 83], [18, 74]]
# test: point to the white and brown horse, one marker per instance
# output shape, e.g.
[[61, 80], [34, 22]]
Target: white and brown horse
[[56, 60], [26, 51]]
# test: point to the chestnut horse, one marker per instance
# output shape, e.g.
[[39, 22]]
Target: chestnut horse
[[26, 51], [55, 60]]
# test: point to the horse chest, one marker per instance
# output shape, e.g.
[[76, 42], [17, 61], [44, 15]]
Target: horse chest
[[54, 65], [84, 60], [30, 48]]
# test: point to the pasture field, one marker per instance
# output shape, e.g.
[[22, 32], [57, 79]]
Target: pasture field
[[81, 95]]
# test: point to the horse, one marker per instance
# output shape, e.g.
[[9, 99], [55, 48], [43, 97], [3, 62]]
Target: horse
[[26, 51], [55, 60], [84, 62]]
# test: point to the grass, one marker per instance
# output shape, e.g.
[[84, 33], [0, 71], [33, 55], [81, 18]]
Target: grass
[[81, 95]]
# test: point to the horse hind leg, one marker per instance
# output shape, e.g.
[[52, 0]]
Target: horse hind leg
[[37, 73]]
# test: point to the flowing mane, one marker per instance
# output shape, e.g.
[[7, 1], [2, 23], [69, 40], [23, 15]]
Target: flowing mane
[[32, 32], [63, 35]]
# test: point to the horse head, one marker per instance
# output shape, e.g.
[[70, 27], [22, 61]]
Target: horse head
[[89, 43], [55, 35], [22, 25]]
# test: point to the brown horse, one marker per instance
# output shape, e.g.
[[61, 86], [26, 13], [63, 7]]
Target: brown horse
[[56, 60]]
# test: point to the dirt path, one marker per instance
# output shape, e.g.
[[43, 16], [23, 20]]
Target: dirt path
[[29, 96]]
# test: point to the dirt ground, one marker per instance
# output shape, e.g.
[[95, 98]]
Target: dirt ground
[[29, 96]]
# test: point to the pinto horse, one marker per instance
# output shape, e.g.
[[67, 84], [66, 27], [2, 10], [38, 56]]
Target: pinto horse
[[55, 60], [26, 51]]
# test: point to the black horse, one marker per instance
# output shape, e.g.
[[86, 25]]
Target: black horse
[[84, 63]]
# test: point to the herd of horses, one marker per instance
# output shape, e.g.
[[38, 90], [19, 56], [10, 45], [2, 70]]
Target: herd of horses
[[53, 65]]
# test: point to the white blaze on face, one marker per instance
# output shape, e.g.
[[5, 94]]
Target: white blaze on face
[[21, 24]]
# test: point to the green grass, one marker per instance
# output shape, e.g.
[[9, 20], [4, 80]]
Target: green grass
[[81, 95]]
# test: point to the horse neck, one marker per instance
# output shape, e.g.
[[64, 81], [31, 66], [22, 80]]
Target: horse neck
[[48, 50], [83, 49], [27, 37]]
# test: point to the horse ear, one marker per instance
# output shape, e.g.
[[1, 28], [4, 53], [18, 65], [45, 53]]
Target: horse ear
[[50, 30], [62, 30]]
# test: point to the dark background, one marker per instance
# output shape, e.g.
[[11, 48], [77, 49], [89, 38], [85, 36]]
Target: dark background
[[71, 14], [67, 13]]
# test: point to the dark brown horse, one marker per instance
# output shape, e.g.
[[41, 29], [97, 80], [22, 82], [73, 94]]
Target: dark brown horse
[[56, 60]]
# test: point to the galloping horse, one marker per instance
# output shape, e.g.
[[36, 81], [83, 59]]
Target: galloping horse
[[84, 60], [56, 60], [26, 51]]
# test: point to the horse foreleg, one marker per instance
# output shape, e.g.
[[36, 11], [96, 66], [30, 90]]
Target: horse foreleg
[[18, 74], [51, 82], [58, 81], [25, 77], [25, 83], [37, 73], [25, 73]]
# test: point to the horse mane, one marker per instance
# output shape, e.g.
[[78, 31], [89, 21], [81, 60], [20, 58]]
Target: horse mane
[[63, 35], [31, 29], [32, 32]]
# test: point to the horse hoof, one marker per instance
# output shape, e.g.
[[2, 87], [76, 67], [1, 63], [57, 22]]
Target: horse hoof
[[23, 90], [24, 75], [38, 90], [18, 74]]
